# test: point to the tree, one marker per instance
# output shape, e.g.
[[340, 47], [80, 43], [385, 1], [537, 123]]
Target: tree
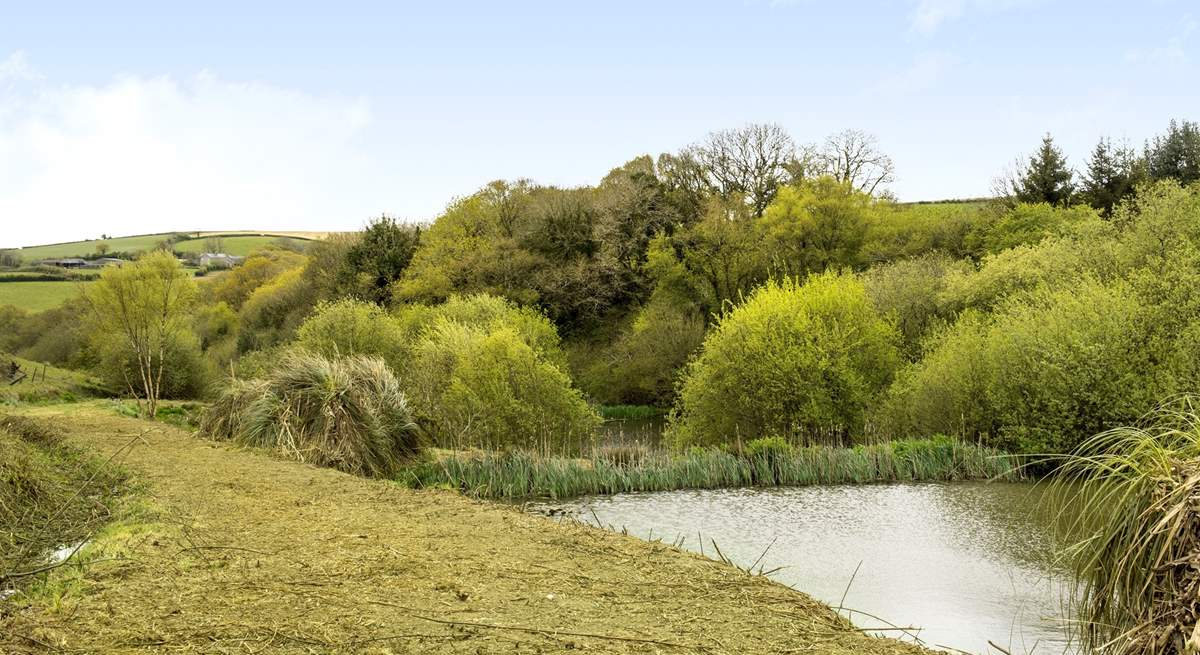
[[101, 248], [751, 162], [140, 310], [1045, 177], [1176, 154], [375, 261], [816, 225], [851, 157], [1111, 175]]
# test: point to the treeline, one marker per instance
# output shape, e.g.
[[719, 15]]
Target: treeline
[[758, 287]]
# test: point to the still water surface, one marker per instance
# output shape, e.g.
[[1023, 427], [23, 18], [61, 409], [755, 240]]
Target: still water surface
[[964, 562]]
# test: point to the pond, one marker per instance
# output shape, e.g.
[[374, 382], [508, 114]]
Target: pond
[[963, 562]]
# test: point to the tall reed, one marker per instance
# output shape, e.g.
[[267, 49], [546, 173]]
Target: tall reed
[[1135, 494], [521, 474]]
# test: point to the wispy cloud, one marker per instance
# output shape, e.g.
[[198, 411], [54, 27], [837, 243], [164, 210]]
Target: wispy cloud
[[1172, 52], [930, 15], [16, 68], [148, 154]]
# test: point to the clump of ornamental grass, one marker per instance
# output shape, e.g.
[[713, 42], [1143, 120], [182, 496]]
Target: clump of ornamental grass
[[343, 413], [1135, 493]]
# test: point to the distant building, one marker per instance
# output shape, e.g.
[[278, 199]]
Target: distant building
[[219, 260], [70, 262]]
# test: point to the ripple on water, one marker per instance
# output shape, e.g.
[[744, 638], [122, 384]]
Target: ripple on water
[[966, 562]]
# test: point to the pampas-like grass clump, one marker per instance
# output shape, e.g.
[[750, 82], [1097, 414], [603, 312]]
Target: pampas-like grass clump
[[347, 413], [1134, 492]]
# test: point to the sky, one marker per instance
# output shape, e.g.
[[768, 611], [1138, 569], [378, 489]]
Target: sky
[[128, 118]]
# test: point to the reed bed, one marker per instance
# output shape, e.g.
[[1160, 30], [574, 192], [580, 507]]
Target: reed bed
[[520, 474]]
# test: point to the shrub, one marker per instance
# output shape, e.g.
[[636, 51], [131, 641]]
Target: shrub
[[347, 413], [909, 292], [641, 364], [800, 361], [275, 310], [352, 327], [187, 375], [1030, 223], [1046, 370], [489, 387], [1092, 250]]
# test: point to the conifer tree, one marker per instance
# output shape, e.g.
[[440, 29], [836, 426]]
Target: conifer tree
[[1045, 178]]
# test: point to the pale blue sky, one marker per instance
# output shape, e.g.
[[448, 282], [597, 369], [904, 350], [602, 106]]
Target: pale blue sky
[[133, 117]]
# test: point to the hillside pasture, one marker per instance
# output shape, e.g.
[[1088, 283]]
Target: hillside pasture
[[238, 245], [38, 296], [235, 241]]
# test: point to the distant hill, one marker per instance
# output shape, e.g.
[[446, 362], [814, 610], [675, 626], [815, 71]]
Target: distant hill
[[233, 242]]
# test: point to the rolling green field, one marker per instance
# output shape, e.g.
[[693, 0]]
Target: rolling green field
[[234, 245], [235, 242], [37, 296]]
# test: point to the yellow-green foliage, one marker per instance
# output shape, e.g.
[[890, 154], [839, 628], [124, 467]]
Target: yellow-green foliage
[[1045, 370], [275, 310], [352, 327], [488, 387], [1030, 223], [817, 226], [910, 291], [235, 286], [478, 369], [799, 360]]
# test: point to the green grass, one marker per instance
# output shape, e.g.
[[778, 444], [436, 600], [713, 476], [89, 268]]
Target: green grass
[[81, 248], [235, 245], [37, 296], [517, 474], [59, 385]]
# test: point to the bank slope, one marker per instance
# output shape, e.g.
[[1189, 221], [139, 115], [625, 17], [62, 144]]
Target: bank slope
[[255, 554]]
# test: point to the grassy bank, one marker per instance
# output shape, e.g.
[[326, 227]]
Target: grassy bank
[[50, 384], [518, 474], [251, 553], [51, 494]]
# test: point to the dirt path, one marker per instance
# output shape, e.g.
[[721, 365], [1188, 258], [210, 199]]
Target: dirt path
[[258, 555]]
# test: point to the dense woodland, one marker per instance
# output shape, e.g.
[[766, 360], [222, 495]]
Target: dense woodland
[[757, 287]]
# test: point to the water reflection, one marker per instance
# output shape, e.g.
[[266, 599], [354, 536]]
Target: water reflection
[[966, 562]]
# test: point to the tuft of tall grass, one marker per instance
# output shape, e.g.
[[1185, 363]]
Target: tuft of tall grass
[[521, 474], [1135, 492], [346, 413]]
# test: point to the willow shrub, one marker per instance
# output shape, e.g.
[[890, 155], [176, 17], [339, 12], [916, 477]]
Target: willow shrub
[[1047, 369], [352, 327], [345, 413], [478, 369], [489, 387], [798, 360]]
